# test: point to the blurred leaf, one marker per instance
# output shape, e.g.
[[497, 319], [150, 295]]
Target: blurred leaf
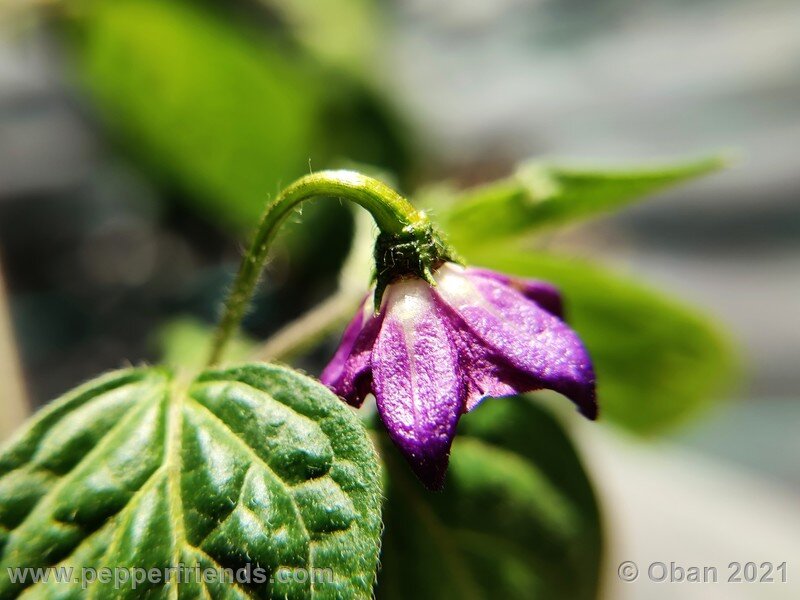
[[517, 517], [226, 115], [218, 109], [255, 465], [658, 362], [542, 195], [13, 398], [184, 343], [342, 32]]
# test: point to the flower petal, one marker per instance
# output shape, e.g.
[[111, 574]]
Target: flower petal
[[542, 293], [511, 344], [417, 381], [349, 374], [333, 371]]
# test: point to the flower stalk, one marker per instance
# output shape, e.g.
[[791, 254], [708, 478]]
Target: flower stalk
[[395, 217]]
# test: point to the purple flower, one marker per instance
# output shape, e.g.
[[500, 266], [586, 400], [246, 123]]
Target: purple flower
[[432, 353]]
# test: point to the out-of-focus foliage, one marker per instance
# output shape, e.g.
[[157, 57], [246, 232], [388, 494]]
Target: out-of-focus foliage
[[658, 362], [217, 108], [543, 194], [517, 518], [342, 32], [185, 343], [226, 115]]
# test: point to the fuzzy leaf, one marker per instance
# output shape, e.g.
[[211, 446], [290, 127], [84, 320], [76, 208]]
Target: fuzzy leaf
[[254, 465], [517, 518], [542, 194], [658, 362]]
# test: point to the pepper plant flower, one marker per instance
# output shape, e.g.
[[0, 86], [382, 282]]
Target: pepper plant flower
[[436, 338]]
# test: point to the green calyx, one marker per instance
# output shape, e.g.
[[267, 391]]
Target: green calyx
[[417, 251]]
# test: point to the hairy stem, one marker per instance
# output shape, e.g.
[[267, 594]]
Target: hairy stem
[[308, 329], [392, 213]]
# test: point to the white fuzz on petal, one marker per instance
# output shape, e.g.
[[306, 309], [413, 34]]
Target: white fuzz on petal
[[408, 300]]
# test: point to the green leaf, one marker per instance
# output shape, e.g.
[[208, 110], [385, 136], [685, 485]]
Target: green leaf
[[342, 32], [517, 517], [254, 465], [658, 362], [220, 110], [542, 194], [200, 101]]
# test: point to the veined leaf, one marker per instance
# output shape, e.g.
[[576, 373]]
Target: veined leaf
[[517, 518], [658, 362], [256, 465], [542, 194]]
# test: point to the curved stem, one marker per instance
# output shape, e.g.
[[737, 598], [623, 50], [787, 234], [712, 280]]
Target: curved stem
[[392, 213]]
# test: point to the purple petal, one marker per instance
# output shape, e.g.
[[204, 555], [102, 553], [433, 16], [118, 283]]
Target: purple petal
[[542, 293], [417, 380], [349, 374], [509, 344], [335, 368]]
